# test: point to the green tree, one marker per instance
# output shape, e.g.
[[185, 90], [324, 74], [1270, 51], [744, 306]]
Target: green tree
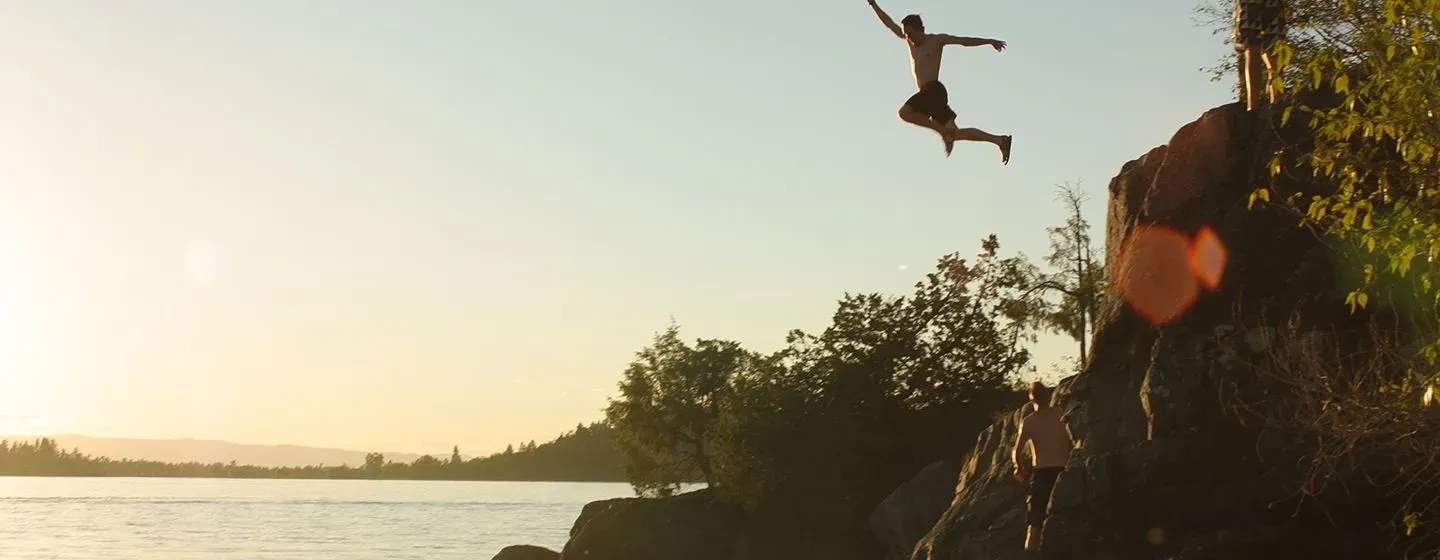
[[374, 464], [815, 435], [1360, 76], [1076, 274], [1379, 147], [669, 398]]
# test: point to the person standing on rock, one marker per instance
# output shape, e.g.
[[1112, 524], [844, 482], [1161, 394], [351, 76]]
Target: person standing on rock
[[930, 106], [1045, 433], [1259, 24]]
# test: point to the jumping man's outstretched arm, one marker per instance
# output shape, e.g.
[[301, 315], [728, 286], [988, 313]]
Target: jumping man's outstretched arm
[[885, 19], [970, 41]]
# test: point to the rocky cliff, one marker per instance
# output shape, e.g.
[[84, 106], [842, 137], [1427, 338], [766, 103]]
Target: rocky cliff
[[1161, 468]]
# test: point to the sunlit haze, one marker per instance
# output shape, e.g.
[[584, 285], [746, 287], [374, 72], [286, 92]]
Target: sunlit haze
[[405, 225]]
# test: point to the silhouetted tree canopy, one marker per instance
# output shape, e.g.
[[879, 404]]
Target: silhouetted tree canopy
[[810, 438]]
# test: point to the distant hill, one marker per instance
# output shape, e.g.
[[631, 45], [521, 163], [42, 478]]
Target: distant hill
[[585, 454], [213, 451]]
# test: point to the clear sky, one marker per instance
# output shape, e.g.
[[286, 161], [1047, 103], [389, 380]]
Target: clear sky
[[405, 225]]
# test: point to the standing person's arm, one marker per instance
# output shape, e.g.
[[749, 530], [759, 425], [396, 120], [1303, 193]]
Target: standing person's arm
[[1021, 439], [885, 19]]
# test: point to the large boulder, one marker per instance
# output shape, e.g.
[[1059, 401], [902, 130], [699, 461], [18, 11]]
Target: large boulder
[[526, 552], [908, 513], [1161, 468], [690, 526]]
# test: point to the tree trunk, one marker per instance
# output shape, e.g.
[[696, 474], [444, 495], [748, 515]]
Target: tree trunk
[[1082, 302]]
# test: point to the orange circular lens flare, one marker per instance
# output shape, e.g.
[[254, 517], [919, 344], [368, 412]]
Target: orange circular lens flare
[[1208, 257], [1155, 276]]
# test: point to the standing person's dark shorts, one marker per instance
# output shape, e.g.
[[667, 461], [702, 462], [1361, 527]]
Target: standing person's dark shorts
[[932, 101], [1259, 23], [1037, 500]]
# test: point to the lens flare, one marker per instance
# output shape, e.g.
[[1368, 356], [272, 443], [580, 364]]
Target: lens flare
[[1155, 276], [1208, 258]]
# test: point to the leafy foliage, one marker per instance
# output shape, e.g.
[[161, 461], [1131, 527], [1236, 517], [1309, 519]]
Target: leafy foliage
[[1374, 145], [809, 439], [1361, 76], [670, 396]]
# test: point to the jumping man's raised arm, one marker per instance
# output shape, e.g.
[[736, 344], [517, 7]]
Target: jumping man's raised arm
[[885, 19], [969, 41]]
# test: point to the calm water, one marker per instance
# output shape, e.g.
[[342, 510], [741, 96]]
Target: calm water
[[184, 519]]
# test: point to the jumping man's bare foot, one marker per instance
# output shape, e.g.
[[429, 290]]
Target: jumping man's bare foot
[[1005, 149]]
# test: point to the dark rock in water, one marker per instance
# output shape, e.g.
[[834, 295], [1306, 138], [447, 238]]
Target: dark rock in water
[[526, 552], [907, 515], [690, 526], [1161, 470]]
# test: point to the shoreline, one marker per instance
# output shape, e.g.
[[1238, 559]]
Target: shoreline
[[337, 478]]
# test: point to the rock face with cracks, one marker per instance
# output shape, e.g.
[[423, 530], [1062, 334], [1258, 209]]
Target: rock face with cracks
[[1160, 469]]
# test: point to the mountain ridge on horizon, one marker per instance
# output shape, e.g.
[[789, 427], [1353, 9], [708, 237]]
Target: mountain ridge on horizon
[[185, 450]]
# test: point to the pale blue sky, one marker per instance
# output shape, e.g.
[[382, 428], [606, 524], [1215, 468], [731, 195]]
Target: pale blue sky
[[402, 225]]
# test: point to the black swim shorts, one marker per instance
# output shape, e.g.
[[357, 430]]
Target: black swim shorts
[[932, 101], [1259, 23], [1037, 499]]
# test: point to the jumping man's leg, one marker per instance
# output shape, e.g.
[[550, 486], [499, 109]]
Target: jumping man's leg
[[945, 114], [977, 135], [912, 116], [929, 108], [917, 118]]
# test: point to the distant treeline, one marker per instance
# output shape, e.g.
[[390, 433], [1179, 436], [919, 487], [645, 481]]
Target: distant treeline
[[587, 454]]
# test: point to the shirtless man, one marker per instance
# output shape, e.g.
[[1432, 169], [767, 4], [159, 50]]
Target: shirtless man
[[930, 107], [1049, 442]]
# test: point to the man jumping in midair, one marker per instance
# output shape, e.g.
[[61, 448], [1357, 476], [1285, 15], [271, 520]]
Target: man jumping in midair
[[930, 107]]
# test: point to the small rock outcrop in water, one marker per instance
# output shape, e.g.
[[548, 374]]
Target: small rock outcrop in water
[[1161, 471], [526, 552], [692, 526]]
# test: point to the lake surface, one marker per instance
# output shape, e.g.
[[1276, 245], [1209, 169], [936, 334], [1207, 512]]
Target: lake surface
[[219, 519]]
